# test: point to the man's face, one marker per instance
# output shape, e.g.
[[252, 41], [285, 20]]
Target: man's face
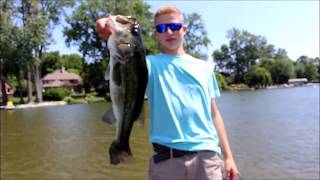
[[170, 40]]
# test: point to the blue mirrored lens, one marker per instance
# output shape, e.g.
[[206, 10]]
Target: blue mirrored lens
[[161, 28], [175, 26]]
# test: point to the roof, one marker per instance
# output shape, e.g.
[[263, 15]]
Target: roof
[[61, 78], [58, 83], [62, 74], [298, 80]]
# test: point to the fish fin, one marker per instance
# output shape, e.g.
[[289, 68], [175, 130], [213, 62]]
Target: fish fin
[[142, 116], [118, 154], [107, 73], [109, 117]]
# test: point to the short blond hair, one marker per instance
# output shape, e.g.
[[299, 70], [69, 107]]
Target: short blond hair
[[167, 10]]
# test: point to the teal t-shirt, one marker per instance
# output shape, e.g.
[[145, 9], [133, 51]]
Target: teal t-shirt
[[180, 88]]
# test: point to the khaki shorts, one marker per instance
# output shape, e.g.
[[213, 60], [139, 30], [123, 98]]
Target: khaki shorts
[[202, 165]]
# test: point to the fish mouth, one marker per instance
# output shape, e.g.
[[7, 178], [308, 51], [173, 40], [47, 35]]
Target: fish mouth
[[123, 44]]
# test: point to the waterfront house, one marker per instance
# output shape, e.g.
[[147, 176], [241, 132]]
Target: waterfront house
[[298, 81], [62, 78]]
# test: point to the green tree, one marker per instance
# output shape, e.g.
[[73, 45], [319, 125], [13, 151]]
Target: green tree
[[282, 70], [38, 18], [73, 63], [316, 62], [93, 76], [223, 59], [81, 32], [222, 82], [243, 52], [81, 29], [306, 67], [258, 77], [281, 54], [50, 63], [5, 44], [196, 38], [12, 53]]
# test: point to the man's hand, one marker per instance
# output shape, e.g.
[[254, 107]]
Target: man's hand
[[231, 171], [101, 28]]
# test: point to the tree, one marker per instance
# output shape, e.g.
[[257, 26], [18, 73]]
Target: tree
[[38, 18], [306, 67], [52, 61], [282, 70], [222, 83], [244, 51], [223, 59], [258, 77], [5, 25], [73, 63], [93, 76], [18, 57], [81, 29], [281, 54], [196, 37], [316, 62], [81, 32]]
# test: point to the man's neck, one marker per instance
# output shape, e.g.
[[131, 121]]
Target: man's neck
[[174, 52]]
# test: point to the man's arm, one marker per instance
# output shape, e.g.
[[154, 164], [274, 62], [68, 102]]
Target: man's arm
[[230, 166]]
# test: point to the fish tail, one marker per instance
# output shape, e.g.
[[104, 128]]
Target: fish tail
[[116, 153]]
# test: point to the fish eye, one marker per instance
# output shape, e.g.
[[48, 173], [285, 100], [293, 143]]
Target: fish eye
[[135, 30]]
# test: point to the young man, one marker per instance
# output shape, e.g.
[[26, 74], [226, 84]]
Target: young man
[[186, 128]]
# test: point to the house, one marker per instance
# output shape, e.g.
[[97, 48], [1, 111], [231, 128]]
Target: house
[[62, 78], [8, 88], [298, 81]]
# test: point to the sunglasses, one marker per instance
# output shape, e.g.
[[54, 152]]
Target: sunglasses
[[161, 28]]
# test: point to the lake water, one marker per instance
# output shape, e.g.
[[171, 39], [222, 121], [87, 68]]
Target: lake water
[[274, 134]]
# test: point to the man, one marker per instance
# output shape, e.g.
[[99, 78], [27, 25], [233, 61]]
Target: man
[[186, 128]]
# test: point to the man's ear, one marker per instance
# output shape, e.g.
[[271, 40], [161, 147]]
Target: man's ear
[[185, 29], [156, 35]]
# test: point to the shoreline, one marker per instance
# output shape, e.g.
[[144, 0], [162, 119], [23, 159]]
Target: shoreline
[[62, 103], [34, 105], [278, 86]]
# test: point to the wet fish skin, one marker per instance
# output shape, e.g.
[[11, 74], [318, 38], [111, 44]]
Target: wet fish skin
[[128, 74]]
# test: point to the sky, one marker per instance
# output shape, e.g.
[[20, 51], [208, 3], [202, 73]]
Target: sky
[[290, 25]]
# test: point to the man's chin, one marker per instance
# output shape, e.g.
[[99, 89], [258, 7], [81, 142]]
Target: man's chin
[[171, 47]]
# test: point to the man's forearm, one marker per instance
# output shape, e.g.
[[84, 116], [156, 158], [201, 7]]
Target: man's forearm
[[219, 125]]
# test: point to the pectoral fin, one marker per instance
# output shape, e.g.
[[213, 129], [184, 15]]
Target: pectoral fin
[[109, 117], [107, 73]]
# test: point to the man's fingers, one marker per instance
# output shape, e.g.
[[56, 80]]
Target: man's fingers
[[102, 30]]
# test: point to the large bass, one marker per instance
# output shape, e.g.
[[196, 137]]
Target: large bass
[[127, 74]]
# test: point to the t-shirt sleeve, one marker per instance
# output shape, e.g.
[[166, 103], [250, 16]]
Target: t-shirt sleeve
[[148, 65], [214, 87]]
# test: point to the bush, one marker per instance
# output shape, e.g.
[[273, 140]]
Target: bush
[[222, 82], [94, 99], [71, 100], [55, 94], [239, 87], [258, 77]]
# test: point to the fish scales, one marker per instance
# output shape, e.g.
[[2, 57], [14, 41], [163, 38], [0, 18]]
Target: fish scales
[[127, 73]]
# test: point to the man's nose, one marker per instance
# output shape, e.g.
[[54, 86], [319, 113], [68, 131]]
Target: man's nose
[[169, 31]]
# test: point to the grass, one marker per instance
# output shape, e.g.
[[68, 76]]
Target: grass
[[84, 99], [72, 99]]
